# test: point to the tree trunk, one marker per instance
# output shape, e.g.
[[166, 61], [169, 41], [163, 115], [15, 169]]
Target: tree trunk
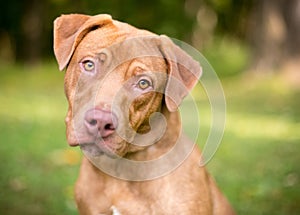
[[274, 32], [32, 30], [291, 15]]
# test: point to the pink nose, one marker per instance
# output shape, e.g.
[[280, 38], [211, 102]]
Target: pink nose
[[100, 123]]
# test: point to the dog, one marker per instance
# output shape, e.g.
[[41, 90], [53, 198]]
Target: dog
[[118, 78]]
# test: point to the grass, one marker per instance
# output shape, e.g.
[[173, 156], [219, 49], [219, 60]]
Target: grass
[[257, 164], [261, 146], [38, 170]]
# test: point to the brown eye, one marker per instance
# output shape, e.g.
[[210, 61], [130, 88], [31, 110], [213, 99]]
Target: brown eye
[[88, 65], [144, 84]]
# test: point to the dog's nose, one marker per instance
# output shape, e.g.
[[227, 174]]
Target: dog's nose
[[100, 122]]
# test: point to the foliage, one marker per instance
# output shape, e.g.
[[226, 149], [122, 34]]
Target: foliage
[[228, 56], [31, 22]]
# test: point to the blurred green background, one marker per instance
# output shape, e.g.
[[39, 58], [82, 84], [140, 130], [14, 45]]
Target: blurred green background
[[254, 48]]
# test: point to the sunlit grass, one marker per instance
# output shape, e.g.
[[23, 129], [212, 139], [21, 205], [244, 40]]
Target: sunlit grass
[[275, 128], [260, 147]]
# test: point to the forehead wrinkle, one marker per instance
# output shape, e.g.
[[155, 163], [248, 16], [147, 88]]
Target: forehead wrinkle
[[131, 69], [101, 38]]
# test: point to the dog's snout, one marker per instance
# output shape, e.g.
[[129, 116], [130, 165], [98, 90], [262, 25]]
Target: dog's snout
[[100, 122]]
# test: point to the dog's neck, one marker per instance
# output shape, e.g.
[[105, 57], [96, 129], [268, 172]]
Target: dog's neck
[[165, 143]]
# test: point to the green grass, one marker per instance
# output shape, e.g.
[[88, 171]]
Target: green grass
[[256, 166], [258, 161], [38, 170]]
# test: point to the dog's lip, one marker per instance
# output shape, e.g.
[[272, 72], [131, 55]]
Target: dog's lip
[[74, 144], [103, 146], [100, 142], [78, 141]]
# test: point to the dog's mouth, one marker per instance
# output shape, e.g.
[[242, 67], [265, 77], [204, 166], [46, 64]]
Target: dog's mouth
[[95, 150], [100, 146]]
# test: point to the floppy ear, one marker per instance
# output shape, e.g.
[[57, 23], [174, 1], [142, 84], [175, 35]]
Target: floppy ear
[[69, 30], [183, 73]]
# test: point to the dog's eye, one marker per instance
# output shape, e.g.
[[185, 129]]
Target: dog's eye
[[144, 84], [88, 65]]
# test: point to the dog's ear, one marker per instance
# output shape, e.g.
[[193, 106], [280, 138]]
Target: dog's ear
[[69, 30], [183, 73]]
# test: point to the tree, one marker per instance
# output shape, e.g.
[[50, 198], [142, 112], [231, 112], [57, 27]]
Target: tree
[[271, 28]]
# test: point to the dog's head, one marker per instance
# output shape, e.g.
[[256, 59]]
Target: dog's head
[[117, 76]]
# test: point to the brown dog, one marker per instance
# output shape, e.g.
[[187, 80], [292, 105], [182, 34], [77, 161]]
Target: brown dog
[[117, 77]]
